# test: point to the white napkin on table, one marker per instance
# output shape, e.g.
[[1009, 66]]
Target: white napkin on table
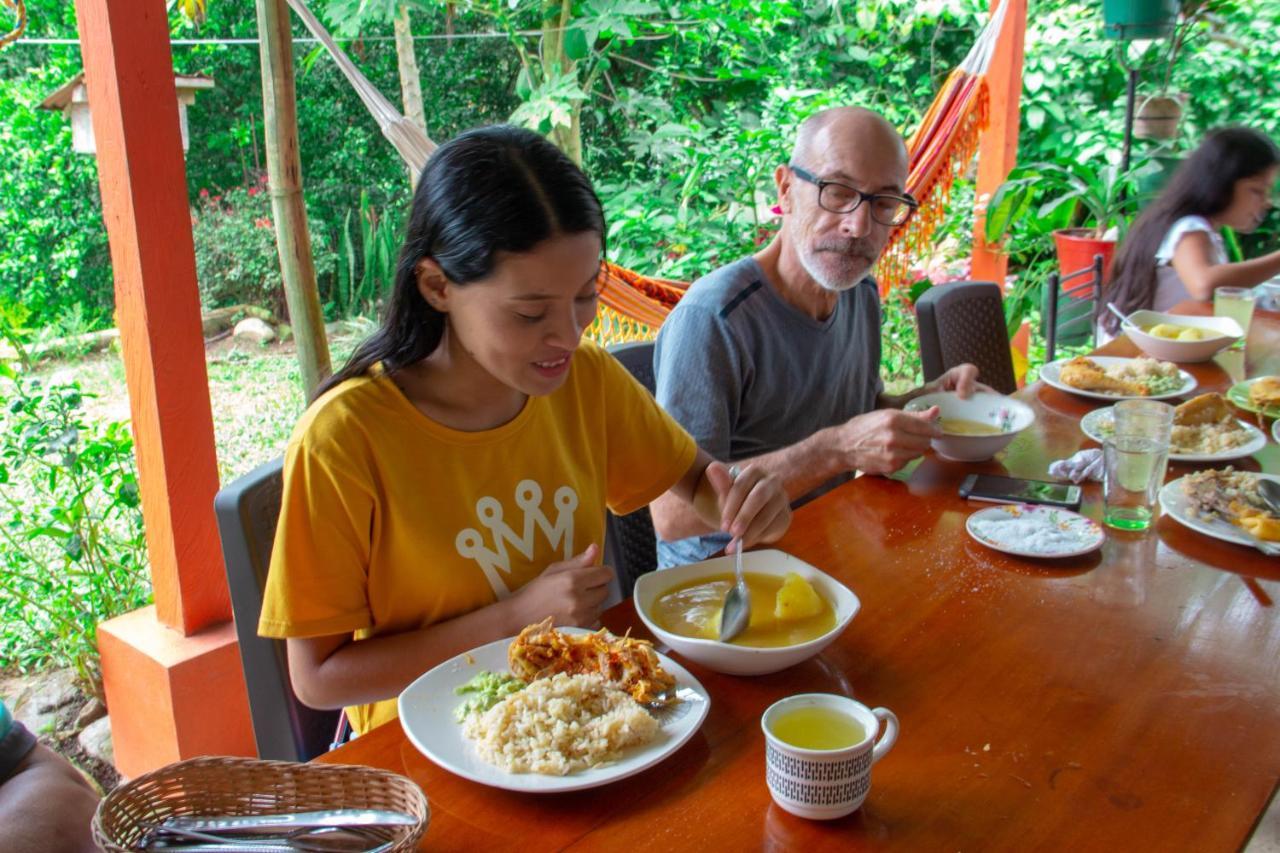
[[1085, 465]]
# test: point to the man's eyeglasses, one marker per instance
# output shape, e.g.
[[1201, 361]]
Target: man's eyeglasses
[[886, 208]]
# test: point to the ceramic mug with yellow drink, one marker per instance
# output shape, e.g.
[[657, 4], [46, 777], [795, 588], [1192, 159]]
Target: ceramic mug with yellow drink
[[819, 749]]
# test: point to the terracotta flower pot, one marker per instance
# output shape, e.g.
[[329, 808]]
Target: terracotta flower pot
[[1157, 118], [1076, 248]]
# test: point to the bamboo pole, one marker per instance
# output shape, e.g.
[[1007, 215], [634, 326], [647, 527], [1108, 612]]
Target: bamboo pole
[[410, 78], [284, 169]]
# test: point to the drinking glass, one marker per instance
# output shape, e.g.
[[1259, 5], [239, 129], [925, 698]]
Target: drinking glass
[[1135, 459], [1236, 303]]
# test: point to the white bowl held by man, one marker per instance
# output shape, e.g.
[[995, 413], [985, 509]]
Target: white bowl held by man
[[729, 657], [1210, 335], [977, 428]]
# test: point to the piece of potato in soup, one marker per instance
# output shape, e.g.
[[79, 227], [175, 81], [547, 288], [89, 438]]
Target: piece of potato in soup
[[781, 614]]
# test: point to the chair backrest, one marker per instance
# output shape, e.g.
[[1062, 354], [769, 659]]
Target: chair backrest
[[963, 321], [630, 544], [1070, 306], [247, 511]]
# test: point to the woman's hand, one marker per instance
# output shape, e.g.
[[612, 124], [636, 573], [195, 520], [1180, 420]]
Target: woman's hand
[[570, 592], [753, 503]]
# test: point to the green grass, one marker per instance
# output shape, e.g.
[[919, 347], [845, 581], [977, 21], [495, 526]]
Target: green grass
[[255, 393]]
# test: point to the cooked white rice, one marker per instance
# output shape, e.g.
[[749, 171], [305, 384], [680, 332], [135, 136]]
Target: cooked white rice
[[1208, 438], [558, 725]]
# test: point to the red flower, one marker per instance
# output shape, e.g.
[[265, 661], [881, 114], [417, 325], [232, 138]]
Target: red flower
[[253, 191], [262, 222], [204, 193]]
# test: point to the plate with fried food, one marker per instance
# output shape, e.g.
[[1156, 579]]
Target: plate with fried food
[[1260, 395], [1225, 504], [1204, 430], [1105, 377], [553, 709]]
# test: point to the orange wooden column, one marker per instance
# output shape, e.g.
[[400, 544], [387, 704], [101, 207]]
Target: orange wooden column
[[998, 144], [172, 673]]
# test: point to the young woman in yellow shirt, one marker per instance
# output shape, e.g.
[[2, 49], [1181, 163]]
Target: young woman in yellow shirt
[[448, 486]]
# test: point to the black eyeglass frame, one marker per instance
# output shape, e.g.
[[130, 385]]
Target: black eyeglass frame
[[906, 198]]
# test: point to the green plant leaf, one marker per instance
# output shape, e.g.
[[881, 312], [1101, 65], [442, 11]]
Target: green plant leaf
[[576, 46], [919, 289]]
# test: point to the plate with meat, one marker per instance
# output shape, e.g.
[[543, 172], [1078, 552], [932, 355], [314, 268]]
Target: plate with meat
[[1204, 430], [1225, 504], [1105, 377], [553, 709], [1260, 395]]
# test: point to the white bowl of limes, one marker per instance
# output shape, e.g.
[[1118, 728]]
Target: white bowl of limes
[[1178, 337]]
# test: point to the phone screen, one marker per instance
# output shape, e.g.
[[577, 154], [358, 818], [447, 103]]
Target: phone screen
[[1011, 490]]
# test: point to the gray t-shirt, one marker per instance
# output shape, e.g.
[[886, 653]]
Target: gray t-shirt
[[746, 373]]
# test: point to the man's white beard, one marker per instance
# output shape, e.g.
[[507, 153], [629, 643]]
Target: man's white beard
[[823, 277]]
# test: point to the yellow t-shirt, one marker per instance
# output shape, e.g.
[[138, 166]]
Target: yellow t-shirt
[[391, 522]]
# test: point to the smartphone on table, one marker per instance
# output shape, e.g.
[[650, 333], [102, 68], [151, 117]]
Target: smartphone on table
[[1010, 490]]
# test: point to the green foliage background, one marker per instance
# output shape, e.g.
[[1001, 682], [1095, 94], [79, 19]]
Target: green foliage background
[[682, 130]]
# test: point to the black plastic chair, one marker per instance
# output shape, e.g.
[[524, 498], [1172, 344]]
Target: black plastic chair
[[963, 322], [630, 544], [1074, 320], [284, 728]]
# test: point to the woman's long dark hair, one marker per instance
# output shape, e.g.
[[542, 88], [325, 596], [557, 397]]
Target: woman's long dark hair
[[490, 190], [1202, 186]]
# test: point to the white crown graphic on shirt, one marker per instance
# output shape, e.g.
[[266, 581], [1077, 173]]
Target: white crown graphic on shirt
[[495, 563]]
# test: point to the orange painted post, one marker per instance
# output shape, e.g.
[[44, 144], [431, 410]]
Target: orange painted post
[[129, 74], [998, 145], [134, 108]]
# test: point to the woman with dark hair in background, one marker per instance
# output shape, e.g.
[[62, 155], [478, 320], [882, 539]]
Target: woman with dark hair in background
[[1174, 251], [448, 486]]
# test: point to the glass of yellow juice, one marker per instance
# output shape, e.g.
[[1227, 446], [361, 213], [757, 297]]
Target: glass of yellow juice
[[1236, 303], [819, 749]]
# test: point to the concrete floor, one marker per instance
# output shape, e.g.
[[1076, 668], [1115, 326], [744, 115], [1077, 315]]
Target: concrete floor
[[1266, 839]]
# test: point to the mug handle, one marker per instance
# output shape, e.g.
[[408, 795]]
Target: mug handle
[[886, 741]]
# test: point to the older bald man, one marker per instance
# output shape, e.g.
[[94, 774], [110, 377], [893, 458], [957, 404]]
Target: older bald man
[[775, 358]]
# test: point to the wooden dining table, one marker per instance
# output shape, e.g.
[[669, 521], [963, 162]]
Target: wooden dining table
[[1128, 699]]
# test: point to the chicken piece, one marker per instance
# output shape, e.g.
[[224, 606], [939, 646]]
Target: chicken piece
[[624, 662], [1201, 410], [1086, 375], [1265, 392]]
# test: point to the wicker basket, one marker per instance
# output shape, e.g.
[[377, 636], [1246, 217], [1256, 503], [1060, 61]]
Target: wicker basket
[[246, 786]]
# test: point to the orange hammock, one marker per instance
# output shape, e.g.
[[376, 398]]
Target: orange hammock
[[633, 306]]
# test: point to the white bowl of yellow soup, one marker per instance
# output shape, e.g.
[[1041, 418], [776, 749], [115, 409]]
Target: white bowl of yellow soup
[[975, 429], [681, 606], [1175, 337]]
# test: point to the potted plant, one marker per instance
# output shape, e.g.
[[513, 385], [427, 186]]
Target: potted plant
[[1079, 208], [1138, 19], [1157, 116], [1084, 206]]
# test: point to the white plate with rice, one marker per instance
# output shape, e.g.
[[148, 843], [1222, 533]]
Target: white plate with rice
[[427, 716], [1177, 506], [1099, 425], [1026, 530]]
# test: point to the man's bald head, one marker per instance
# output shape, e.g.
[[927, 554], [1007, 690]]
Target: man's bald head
[[839, 127], [858, 149]]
